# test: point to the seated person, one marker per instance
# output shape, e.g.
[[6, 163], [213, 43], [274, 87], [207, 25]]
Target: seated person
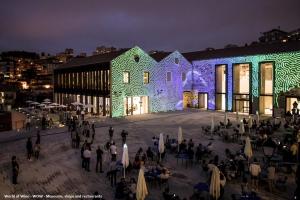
[[150, 153], [191, 144], [132, 189], [136, 164], [165, 174], [190, 153], [199, 152], [183, 147], [121, 189]]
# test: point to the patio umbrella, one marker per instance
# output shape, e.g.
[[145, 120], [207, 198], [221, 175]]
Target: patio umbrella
[[125, 158], [62, 106], [54, 104], [248, 149], [179, 136], [29, 101], [41, 105], [34, 103], [242, 128], [225, 118], [257, 114], [47, 100], [77, 104], [161, 145], [214, 189], [141, 188]]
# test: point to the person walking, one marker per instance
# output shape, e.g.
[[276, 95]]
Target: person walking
[[77, 140], [28, 123], [15, 170], [271, 177], [87, 156], [99, 159], [113, 172], [111, 133], [29, 148], [37, 149], [123, 135]]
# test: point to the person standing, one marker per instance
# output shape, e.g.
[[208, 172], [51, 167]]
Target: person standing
[[93, 131], [37, 149], [113, 172], [99, 159], [111, 133], [29, 148], [38, 137], [113, 151], [254, 171], [15, 170], [124, 134], [271, 177], [87, 156]]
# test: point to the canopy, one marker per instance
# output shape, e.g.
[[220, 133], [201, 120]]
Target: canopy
[[77, 104], [161, 143], [214, 189], [242, 128], [248, 149], [141, 189], [125, 158], [225, 118]]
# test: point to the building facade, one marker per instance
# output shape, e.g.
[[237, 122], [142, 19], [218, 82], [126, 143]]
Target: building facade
[[263, 79]]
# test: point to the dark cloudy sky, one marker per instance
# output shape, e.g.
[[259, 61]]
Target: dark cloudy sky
[[185, 25]]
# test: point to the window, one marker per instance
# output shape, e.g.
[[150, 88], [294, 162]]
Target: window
[[146, 77], [169, 76], [183, 76], [126, 77]]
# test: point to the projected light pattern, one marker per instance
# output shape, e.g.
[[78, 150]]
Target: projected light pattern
[[163, 95], [287, 74]]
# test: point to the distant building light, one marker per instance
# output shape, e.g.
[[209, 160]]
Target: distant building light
[[284, 40], [24, 85], [47, 86]]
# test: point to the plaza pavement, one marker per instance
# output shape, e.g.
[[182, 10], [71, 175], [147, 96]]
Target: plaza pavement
[[58, 171]]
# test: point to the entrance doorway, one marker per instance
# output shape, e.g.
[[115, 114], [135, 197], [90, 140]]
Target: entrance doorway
[[135, 105], [202, 98], [220, 100], [241, 88], [290, 101], [187, 99]]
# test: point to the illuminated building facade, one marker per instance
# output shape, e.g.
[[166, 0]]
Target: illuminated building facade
[[264, 79]]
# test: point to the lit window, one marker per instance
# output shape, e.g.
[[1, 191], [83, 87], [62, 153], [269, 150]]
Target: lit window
[[169, 76], [146, 77], [183, 76], [125, 77]]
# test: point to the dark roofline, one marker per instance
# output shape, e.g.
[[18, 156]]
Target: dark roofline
[[91, 60], [258, 49], [160, 55]]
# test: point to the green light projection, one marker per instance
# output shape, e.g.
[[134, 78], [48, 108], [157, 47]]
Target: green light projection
[[163, 95]]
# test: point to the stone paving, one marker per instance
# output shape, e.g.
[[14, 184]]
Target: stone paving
[[58, 171]]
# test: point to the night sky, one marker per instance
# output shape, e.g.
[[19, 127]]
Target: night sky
[[185, 25]]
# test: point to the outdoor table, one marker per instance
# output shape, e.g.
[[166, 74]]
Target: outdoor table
[[200, 187]]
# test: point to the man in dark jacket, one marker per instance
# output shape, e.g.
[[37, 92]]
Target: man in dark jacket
[[124, 134], [15, 170], [99, 159], [29, 148]]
